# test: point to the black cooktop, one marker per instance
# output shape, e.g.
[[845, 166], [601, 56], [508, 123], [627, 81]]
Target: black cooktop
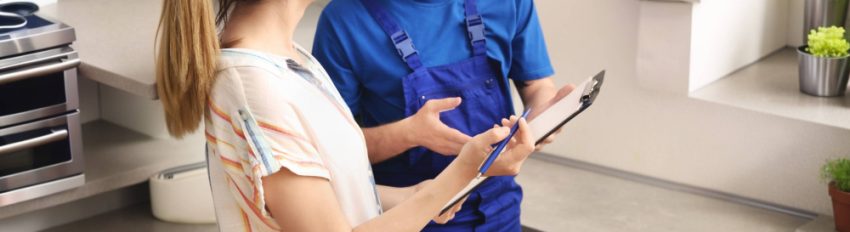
[[38, 34], [32, 22]]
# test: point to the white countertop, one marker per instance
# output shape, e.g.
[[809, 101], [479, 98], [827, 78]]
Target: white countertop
[[772, 86], [115, 39]]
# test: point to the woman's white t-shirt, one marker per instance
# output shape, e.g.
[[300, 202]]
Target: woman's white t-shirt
[[266, 112]]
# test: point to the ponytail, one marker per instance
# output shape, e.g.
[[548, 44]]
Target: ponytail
[[186, 62]]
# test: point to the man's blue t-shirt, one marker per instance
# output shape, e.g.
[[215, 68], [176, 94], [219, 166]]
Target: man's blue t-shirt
[[367, 70]]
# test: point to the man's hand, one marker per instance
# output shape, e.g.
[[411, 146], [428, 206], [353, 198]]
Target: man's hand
[[421, 129], [563, 92], [544, 105], [426, 129], [540, 95]]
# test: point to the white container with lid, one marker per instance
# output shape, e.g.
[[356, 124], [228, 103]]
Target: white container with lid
[[182, 195]]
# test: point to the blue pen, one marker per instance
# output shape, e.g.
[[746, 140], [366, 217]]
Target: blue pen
[[500, 146]]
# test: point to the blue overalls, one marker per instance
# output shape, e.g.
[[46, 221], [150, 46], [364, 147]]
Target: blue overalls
[[486, 100]]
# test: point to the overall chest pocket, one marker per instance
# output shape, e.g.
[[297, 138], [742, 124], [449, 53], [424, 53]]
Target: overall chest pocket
[[483, 104]]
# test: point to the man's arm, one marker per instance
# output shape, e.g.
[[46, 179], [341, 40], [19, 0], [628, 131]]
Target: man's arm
[[421, 129], [387, 141], [425, 128]]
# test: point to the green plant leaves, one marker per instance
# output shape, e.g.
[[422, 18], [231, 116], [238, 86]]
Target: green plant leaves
[[828, 42], [838, 171]]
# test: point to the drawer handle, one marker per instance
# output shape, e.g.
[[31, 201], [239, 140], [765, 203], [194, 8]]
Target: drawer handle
[[39, 70], [34, 142]]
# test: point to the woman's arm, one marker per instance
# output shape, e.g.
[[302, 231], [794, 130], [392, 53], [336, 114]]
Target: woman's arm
[[393, 196], [300, 203], [303, 203]]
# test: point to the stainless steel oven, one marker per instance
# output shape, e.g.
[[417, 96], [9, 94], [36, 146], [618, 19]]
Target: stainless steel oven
[[34, 154], [40, 134], [38, 85]]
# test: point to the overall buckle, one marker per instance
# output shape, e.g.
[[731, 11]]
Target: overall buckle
[[475, 25], [403, 44]]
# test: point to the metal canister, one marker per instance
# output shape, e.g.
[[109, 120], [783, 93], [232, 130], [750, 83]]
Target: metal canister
[[822, 76], [825, 13]]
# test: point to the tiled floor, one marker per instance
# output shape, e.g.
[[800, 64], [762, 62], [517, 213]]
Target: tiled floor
[[139, 219], [557, 198], [133, 219]]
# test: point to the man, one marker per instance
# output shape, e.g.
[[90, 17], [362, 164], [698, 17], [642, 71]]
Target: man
[[421, 76]]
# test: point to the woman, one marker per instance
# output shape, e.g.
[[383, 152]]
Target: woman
[[283, 150]]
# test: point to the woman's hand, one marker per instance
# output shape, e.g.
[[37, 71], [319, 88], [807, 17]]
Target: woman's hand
[[450, 214], [510, 161], [519, 148], [549, 139]]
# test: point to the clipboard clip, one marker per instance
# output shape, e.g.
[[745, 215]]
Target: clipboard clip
[[592, 89]]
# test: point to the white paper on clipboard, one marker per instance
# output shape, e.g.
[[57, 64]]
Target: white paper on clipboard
[[541, 125]]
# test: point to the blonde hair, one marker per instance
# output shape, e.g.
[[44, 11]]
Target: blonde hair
[[186, 62]]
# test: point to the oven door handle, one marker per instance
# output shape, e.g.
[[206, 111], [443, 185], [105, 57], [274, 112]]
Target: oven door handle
[[34, 142], [39, 70]]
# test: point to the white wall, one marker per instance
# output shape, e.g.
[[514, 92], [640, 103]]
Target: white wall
[[730, 34], [671, 136], [664, 64], [796, 11]]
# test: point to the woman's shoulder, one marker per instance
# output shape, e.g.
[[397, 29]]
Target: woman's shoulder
[[233, 62], [245, 78], [247, 66]]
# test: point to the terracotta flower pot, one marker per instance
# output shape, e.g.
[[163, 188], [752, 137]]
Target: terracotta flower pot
[[840, 207]]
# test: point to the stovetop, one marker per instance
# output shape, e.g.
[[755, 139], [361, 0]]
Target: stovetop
[[38, 34]]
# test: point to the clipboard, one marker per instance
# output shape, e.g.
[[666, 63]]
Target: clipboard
[[549, 121]]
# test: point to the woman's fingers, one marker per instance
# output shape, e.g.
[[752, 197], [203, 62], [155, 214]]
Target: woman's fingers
[[509, 122], [442, 219], [489, 137], [525, 135], [450, 214], [518, 149], [549, 139], [521, 149]]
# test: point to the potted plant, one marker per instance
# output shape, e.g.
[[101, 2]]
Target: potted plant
[[823, 61], [837, 172]]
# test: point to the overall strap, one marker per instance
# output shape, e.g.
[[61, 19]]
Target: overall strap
[[403, 43], [475, 28]]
